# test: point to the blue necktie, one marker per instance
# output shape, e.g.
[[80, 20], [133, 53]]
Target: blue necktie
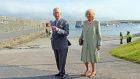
[[56, 22]]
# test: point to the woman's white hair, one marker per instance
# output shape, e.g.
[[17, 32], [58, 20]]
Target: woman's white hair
[[90, 11]]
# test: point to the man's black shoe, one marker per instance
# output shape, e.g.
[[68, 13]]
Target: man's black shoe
[[57, 74], [62, 76]]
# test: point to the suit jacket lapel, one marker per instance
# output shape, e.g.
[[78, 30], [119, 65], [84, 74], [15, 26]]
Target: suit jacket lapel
[[58, 23]]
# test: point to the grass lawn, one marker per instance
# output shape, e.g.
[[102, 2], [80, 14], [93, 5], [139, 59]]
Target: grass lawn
[[130, 52]]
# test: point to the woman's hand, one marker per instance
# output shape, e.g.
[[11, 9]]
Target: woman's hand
[[98, 48]]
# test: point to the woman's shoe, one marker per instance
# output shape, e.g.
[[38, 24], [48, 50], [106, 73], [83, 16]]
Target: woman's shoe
[[92, 75], [87, 73]]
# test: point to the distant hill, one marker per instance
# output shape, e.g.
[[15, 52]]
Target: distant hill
[[9, 24]]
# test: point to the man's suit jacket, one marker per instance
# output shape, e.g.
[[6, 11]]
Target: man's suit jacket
[[59, 38]]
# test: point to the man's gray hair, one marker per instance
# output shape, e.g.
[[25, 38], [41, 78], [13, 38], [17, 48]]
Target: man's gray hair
[[56, 9]]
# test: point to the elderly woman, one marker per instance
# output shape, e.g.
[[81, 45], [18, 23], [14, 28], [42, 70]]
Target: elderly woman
[[90, 40]]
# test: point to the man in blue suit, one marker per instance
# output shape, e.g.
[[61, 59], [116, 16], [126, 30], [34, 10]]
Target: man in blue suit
[[60, 29]]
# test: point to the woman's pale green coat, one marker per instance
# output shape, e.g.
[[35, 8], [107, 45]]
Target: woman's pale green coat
[[91, 35]]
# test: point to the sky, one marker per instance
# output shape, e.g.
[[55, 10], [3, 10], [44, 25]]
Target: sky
[[71, 9]]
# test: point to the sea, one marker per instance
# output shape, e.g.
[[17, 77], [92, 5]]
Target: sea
[[108, 30]]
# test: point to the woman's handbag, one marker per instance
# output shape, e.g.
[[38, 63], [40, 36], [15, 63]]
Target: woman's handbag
[[81, 41], [69, 43]]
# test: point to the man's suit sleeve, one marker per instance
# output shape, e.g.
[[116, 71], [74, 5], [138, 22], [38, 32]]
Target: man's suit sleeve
[[65, 30]]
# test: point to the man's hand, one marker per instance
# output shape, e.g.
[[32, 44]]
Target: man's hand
[[98, 48], [55, 28], [48, 23]]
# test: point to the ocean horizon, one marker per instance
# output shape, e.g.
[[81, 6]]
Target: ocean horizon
[[108, 31]]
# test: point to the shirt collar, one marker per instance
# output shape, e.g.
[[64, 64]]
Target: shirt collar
[[57, 19], [89, 23]]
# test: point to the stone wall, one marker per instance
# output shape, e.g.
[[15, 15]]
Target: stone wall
[[11, 24], [9, 43]]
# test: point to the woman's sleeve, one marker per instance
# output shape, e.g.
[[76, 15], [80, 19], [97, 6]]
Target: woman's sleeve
[[99, 41]]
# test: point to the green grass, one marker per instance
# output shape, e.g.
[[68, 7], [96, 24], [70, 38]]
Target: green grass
[[130, 52]]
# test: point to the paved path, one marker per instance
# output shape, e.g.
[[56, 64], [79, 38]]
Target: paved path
[[35, 60]]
